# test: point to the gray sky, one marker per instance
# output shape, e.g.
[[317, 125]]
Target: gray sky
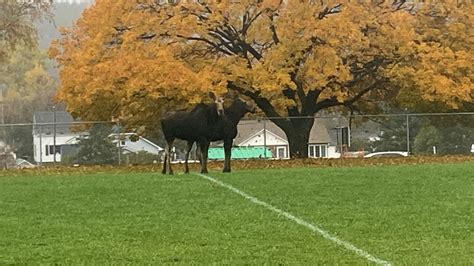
[[64, 15]]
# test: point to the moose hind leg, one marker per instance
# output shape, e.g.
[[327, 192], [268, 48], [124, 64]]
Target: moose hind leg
[[164, 163], [167, 164], [228, 152], [188, 150]]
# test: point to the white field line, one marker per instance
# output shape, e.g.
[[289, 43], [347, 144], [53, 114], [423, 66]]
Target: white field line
[[312, 227]]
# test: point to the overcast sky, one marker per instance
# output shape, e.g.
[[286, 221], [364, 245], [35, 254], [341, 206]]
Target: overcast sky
[[65, 13]]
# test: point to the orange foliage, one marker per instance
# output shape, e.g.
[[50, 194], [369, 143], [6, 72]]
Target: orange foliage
[[134, 59]]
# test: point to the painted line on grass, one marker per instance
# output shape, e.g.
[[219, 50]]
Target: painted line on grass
[[310, 226]]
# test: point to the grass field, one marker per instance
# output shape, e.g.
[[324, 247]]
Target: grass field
[[417, 214]]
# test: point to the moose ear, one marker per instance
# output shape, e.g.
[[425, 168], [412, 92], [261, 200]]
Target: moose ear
[[212, 95]]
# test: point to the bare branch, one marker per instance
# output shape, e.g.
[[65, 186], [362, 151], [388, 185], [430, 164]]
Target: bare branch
[[329, 11]]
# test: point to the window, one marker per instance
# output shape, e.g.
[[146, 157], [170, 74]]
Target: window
[[281, 152], [50, 149], [323, 151], [317, 151]]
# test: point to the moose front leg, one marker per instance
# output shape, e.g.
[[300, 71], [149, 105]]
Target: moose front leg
[[228, 152], [204, 146]]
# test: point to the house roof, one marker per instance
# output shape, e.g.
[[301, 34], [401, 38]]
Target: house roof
[[62, 120], [248, 128], [258, 134], [128, 135], [333, 125]]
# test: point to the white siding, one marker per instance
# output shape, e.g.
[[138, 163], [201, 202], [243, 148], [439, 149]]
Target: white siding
[[259, 140], [48, 140], [141, 145]]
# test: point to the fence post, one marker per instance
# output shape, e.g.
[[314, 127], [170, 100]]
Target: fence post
[[265, 139], [54, 134], [40, 146], [408, 133], [119, 142]]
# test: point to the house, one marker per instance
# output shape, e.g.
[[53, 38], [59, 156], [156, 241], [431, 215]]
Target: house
[[339, 134], [46, 135], [67, 140], [258, 133], [136, 145]]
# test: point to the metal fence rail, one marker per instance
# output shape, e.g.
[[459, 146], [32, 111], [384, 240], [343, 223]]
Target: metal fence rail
[[332, 136]]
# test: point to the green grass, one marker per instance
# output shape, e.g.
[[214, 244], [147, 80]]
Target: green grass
[[404, 214]]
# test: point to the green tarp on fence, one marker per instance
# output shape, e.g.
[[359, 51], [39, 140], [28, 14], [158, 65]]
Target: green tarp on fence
[[239, 153]]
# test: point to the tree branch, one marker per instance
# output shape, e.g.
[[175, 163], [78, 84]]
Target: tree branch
[[329, 11], [262, 102], [275, 38]]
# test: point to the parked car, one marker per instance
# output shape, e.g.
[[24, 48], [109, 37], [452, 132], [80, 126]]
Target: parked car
[[387, 154]]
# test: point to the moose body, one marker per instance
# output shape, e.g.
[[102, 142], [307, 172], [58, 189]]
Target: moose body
[[205, 123], [225, 128], [193, 126]]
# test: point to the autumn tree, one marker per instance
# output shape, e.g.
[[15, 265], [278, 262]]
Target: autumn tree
[[26, 87], [17, 27], [438, 76], [132, 59]]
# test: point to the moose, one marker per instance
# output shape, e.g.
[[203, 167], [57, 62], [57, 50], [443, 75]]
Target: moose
[[193, 126], [202, 126], [226, 127]]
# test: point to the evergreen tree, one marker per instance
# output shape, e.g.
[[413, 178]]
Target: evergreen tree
[[97, 148]]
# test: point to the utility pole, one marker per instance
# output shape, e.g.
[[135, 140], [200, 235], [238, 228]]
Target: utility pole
[[408, 133], [54, 134], [2, 110], [265, 138]]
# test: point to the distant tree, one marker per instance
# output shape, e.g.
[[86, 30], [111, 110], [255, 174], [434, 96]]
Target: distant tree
[[7, 156], [17, 26], [97, 147], [25, 87], [447, 140]]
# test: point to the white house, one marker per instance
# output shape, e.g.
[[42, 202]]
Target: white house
[[44, 137], [142, 144], [67, 141], [255, 133]]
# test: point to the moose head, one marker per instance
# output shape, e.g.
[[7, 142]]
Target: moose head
[[219, 102]]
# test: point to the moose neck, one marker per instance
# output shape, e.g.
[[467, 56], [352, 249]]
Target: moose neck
[[234, 113]]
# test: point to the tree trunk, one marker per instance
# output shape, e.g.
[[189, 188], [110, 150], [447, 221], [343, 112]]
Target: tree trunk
[[297, 131]]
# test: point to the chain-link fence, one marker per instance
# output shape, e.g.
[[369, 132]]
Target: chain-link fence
[[388, 135], [60, 141]]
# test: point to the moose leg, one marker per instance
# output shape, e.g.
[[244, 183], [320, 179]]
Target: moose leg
[[190, 146], [165, 160], [199, 153], [167, 163], [164, 163], [204, 151], [228, 152]]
